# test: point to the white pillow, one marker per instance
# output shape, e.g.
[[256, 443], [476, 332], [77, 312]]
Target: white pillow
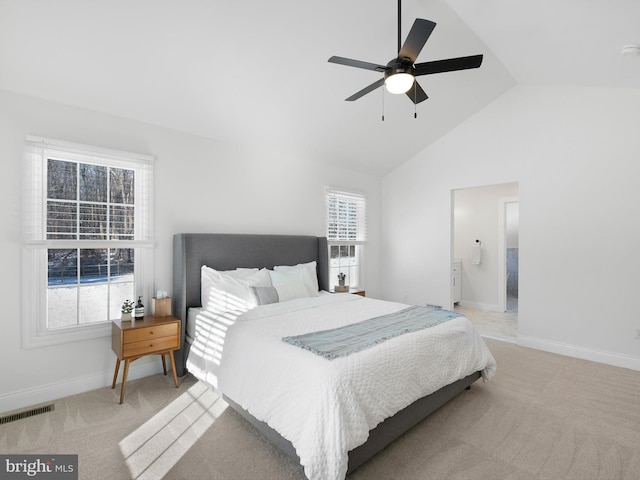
[[291, 291], [229, 290], [306, 272], [239, 272], [292, 279]]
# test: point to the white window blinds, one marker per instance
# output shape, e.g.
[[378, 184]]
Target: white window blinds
[[346, 217]]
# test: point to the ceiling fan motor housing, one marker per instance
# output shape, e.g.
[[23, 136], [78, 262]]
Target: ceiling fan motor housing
[[399, 65]]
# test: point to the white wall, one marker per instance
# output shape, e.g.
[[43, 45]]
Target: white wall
[[476, 216], [576, 155], [200, 186]]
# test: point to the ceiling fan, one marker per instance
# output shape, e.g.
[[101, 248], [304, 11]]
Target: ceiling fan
[[400, 72]]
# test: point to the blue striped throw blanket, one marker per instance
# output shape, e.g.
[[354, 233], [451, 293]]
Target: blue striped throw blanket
[[342, 341]]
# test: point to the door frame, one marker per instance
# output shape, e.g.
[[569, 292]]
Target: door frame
[[502, 250]]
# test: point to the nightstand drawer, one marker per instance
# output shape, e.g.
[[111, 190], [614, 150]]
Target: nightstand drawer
[[150, 346], [150, 333]]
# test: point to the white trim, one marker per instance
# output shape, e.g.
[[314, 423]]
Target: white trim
[[502, 338], [35, 335], [584, 353], [345, 192], [452, 239], [86, 150], [89, 243], [480, 306], [346, 242], [53, 391]]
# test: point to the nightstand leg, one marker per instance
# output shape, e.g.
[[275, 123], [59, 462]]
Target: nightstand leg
[[124, 379], [115, 374], [173, 367], [164, 364]]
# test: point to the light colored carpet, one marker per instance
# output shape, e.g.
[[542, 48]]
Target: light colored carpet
[[543, 416]]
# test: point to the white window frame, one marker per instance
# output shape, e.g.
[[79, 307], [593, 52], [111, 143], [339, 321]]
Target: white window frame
[[35, 332], [351, 235]]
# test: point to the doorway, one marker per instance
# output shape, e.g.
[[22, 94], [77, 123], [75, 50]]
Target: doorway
[[484, 251]]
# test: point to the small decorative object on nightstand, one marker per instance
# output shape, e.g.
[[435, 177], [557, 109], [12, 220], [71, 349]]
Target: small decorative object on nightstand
[[139, 310], [341, 287], [161, 307], [127, 308], [148, 336]]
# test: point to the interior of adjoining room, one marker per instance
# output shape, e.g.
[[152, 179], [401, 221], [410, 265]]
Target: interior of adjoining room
[[485, 248]]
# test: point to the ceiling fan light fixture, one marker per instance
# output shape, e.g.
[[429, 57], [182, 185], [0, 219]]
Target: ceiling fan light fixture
[[399, 82]]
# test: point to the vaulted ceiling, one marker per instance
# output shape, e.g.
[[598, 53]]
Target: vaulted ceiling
[[256, 72]]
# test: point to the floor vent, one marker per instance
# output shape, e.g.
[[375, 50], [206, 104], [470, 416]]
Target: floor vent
[[27, 413]]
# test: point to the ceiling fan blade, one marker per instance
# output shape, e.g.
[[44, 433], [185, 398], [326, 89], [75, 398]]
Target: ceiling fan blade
[[357, 63], [447, 65], [365, 90], [416, 94], [418, 36]]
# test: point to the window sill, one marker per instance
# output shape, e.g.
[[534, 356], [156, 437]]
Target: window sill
[[35, 339]]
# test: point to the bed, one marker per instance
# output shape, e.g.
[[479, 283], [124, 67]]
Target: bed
[[358, 414]]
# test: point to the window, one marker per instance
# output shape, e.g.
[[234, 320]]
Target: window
[[346, 235], [88, 227]]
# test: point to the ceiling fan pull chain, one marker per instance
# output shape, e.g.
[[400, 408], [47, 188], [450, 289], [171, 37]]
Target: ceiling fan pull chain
[[383, 104], [399, 23], [415, 100]]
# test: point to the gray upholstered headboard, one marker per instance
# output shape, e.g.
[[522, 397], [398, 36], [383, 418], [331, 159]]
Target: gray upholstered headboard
[[229, 251]]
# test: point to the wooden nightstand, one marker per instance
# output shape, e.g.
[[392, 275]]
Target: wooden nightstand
[[146, 336], [355, 291]]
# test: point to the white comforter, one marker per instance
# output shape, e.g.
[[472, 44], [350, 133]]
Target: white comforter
[[327, 407]]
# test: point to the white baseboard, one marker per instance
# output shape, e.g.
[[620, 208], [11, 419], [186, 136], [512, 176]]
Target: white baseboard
[[47, 393], [480, 306], [584, 353]]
